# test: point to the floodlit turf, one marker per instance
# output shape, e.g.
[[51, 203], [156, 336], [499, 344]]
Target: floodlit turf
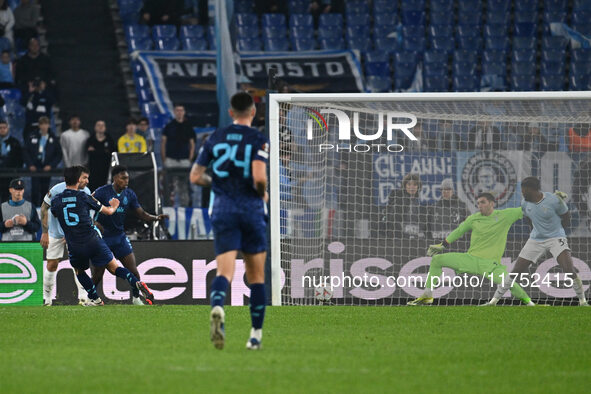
[[306, 349]]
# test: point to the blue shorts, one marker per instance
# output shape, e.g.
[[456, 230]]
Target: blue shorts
[[239, 231], [95, 251], [119, 245]]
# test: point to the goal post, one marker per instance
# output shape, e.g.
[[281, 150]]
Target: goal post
[[361, 184]]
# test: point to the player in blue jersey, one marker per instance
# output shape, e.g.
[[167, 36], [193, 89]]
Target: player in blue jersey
[[112, 226], [238, 156], [52, 239], [548, 214], [71, 208]]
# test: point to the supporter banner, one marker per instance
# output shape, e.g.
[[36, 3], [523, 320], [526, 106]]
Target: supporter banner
[[190, 78], [21, 274]]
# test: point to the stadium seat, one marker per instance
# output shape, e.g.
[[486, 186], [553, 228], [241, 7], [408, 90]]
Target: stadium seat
[[523, 68], [303, 44], [553, 68], [276, 44], [579, 82], [243, 6], [333, 20], [494, 69], [469, 5], [497, 43], [583, 28], [387, 44], [357, 32], [494, 56], [247, 31], [441, 18], [413, 5], [194, 44], [526, 5], [497, 18], [442, 5], [524, 29], [192, 31], [581, 17], [413, 31], [553, 55], [443, 44], [167, 44], [330, 32], [524, 55], [406, 58], [435, 84], [140, 44], [247, 19], [383, 7], [499, 5], [463, 68], [524, 42], [523, 83], [465, 83], [274, 32], [552, 82], [356, 7], [580, 68], [137, 31], [376, 57], [301, 32], [435, 69], [473, 17], [297, 7], [249, 44], [163, 31], [581, 55], [467, 31], [554, 16], [582, 5], [470, 43], [551, 42], [359, 43], [440, 31], [495, 30], [526, 16], [434, 56], [357, 20], [555, 5], [304, 20], [464, 56], [379, 84], [414, 43], [273, 20], [413, 17], [385, 31], [377, 69], [332, 43], [385, 19]]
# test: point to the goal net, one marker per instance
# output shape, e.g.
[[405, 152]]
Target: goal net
[[361, 184]]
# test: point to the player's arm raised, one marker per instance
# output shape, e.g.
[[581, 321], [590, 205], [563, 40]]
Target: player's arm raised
[[198, 175]]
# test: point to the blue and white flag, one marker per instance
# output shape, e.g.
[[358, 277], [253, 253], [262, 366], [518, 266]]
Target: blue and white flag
[[576, 39], [226, 59]]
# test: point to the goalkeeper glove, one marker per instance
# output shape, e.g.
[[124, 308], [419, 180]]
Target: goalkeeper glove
[[562, 195], [435, 249]]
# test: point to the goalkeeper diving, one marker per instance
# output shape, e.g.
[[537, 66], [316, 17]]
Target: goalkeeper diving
[[487, 245]]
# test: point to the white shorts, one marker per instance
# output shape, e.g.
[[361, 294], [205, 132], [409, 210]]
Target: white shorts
[[532, 250], [56, 248]]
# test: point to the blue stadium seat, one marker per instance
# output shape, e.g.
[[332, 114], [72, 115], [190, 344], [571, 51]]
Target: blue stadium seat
[[499, 5], [494, 56], [552, 42], [500, 43], [137, 31], [192, 31], [553, 55], [383, 7], [379, 84], [357, 19], [434, 56], [525, 16], [461, 56], [276, 20], [580, 68], [441, 18], [440, 31], [524, 29], [581, 17], [301, 32], [406, 58], [405, 64], [552, 82], [295, 7], [470, 43], [497, 18], [359, 43], [523, 83], [413, 5], [303, 20], [473, 17], [357, 32], [167, 44], [581, 55], [333, 20], [377, 69], [554, 16], [247, 19], [494, 69], [433, 69], [583, 28], [274, 32], [413, 31], [330, 32], [443, 44], [249, 44], [467, 31], [495, 30], [469, 5], [276, 44], [385, 19], [140, 44], [414, 43], [303, 44], [243, 6], [579, 82], [523, 55], [582, 5], [247, 31], [332, 43], [524, 42], [376, 57], [388, 44], [163, 31], [465, 83], [385, 31], [555, 5], [435, 83], [553, 68], [194, 44], [463, 68], [413, 17], [523, 68], [442, 5]]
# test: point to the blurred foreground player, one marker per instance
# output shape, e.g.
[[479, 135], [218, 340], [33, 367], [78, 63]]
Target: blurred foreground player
[[238, 157], [71, 208], [112, 226], [487, 245], [548, 214]]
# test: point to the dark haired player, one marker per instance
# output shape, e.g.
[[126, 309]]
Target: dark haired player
[[112, 226], [487, 245], [547, 214], [71, 208], [238, 157]]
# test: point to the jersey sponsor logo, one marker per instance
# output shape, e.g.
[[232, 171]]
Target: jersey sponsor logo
[[489, 172], [27, 275]]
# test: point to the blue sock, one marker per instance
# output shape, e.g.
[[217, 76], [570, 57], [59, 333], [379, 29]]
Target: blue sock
[[257, 305], [218, 291], [86, 282], [124, 273]]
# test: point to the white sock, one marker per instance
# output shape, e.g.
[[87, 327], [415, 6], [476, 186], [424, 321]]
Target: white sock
[[48, 282], [428, 292], [530, 304], [82, 293], [256, 334], [502, 289], [493, 300], [578, 287]]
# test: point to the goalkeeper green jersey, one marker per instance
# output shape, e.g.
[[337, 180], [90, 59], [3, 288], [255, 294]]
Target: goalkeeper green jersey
[[489, 233]]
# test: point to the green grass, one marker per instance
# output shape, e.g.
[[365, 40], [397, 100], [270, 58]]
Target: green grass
[[306, 349]]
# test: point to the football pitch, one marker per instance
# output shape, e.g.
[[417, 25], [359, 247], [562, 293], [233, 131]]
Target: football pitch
[[120, 348]]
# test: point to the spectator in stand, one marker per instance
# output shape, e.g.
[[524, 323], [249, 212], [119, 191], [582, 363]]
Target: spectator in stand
[[6, 71], [11, 156], [404, 212], [448, 212], [26, 16], [6, 22], [178, 151], [131, 142], [100, 147], [579, 138], [34, 64], [73, 143], [143, 129], [484, 136], [37, 102], [447, 139], [270, 7], [162, 12], [42, 153], [18, 218], [533, 140]]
